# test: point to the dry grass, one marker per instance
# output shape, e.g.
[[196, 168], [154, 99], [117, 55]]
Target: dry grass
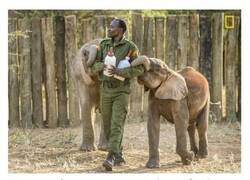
[[57, 150]]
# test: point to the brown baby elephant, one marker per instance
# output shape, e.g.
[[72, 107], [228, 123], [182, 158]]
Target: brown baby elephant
[[183, 99], [87, 87]]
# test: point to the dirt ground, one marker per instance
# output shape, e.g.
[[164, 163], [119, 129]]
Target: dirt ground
[[57, 150]]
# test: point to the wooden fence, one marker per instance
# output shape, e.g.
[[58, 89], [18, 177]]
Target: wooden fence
[[40, 87]]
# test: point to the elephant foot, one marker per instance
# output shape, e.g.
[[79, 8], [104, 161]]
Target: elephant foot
[[202, 154], [195, 150], [87, 147], [188, 158], [102, 147], [153, 164]]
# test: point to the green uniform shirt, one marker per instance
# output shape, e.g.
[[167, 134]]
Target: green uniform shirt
[[121, 50]]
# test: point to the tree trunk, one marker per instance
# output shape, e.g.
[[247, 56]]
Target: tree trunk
[[50, 86], [182, 48], [230, 67], [205, 47], [193, 58], [159, 38], [70, 47], [61, 71], [171, 42], [136, 98], [100, 27], [148, 37], [36, 65], [88, 30], [25, 73], [13, 75], [217, 66]]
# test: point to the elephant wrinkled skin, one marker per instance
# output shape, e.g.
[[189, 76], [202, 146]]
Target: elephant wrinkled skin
[[87, 87], [183, 99]]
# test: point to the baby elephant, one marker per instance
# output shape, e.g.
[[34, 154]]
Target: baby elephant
[[183, 99]]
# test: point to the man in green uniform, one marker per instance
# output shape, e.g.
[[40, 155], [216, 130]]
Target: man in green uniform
[[115, 92]]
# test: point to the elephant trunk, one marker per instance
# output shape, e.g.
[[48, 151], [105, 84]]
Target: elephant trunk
[[92, 55], [79, 71], [142, 60]]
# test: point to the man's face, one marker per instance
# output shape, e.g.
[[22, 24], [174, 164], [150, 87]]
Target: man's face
[[114, 30]]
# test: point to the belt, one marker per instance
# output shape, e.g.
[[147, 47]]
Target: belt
[[115, 84]]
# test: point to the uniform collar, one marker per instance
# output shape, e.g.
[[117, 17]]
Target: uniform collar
[[122, 41]]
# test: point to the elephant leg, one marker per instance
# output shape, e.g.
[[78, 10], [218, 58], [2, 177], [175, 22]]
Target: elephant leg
[[192, 138], [153, 127], [88, 119], [180, 115], [88, 134], [202, 132], [102, 138]]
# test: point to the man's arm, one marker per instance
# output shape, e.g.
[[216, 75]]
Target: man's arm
[[98, 65], [130, 72]]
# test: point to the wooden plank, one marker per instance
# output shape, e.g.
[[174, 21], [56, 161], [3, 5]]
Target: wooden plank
[[36, 66], [25, 73], [61, 71], [171, 41], [13, 74], [88, 31], [205, 47], [193, 57], [148, 37], [238, 70], [136, 98], [100, 27], [50, 86], [71, 48], [182, 39], [148, 50], [230, 72], [217, 66], [159, 38]]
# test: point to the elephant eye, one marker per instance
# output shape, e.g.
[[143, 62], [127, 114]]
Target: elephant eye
[[85, 53]]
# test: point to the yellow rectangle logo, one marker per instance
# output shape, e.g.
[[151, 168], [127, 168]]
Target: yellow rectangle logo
[[229, 22]]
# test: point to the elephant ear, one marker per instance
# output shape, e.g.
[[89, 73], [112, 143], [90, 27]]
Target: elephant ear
[[174, 88]]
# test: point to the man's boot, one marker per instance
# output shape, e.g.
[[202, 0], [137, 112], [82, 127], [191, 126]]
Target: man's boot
[[119, 160], [109, 162]]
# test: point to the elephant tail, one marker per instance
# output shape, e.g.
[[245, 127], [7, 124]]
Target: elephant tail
[[204, 114]]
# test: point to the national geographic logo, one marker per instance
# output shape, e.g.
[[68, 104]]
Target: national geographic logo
[[229, 21]]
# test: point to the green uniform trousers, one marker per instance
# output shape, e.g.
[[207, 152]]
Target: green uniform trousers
[[114, 105]]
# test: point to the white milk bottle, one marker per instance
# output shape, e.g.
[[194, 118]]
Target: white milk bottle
[[110, 60]]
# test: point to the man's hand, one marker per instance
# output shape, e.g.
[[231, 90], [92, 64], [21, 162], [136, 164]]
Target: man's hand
[[110, 69]]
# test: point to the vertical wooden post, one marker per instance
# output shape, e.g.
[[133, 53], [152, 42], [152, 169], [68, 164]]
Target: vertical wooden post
[[61, 71], [13, 74], [49, 50], [239, 68], [101, 29], [182, 48], [230, 72], [36, 65], [136, 98], [87, 30], [171, 41], [205, 47], [71, 48], [193, 58], [217, 65], [159, 38], [25, 73], [148, 37], [148, 51]]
